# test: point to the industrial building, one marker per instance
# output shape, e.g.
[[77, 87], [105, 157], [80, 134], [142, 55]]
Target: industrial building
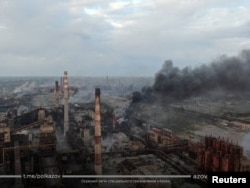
[[146, 165], [218, 155], [162, 137], [95, 138]]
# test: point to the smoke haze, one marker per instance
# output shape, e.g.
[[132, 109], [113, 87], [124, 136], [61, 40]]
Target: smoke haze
[[27, 86], [226, 73]]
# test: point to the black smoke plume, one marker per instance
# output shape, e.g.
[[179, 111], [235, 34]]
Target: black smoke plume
[[230, 74]]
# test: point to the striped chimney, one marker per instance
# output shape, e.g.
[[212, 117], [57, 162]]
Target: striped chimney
[[98, 146], [66, 105], [56, 95]]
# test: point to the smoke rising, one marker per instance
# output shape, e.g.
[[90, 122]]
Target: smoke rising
[[22, 109], [226, 73], [82, 96], [27, 86], [245, 144], [108, 143], [117, 138]]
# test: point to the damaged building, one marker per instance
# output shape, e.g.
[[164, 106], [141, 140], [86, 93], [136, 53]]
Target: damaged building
[[218, 154]]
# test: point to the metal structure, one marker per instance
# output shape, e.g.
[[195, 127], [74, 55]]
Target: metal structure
[[98, 146], [56, 95], [66, 102], [219, 155]]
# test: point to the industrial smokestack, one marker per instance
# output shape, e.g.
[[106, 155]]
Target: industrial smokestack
[[56, 95], [61, 84], [98, 146], [66, 99]]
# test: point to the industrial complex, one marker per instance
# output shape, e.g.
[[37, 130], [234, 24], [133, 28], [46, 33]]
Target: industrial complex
[[105, 141]]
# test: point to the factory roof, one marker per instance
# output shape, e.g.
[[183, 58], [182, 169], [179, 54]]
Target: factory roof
[[145, 164], [47, 129]]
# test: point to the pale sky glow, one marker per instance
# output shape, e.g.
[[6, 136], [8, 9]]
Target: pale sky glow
[[117, 37]]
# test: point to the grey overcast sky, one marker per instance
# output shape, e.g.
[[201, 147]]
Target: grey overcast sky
[[117, 37]]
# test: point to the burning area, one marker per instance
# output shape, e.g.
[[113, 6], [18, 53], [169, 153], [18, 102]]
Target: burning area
[[229, 74]]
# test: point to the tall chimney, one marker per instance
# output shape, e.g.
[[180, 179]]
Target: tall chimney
[[56, 95], [98, 146], [61, 84], [66, 107]]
